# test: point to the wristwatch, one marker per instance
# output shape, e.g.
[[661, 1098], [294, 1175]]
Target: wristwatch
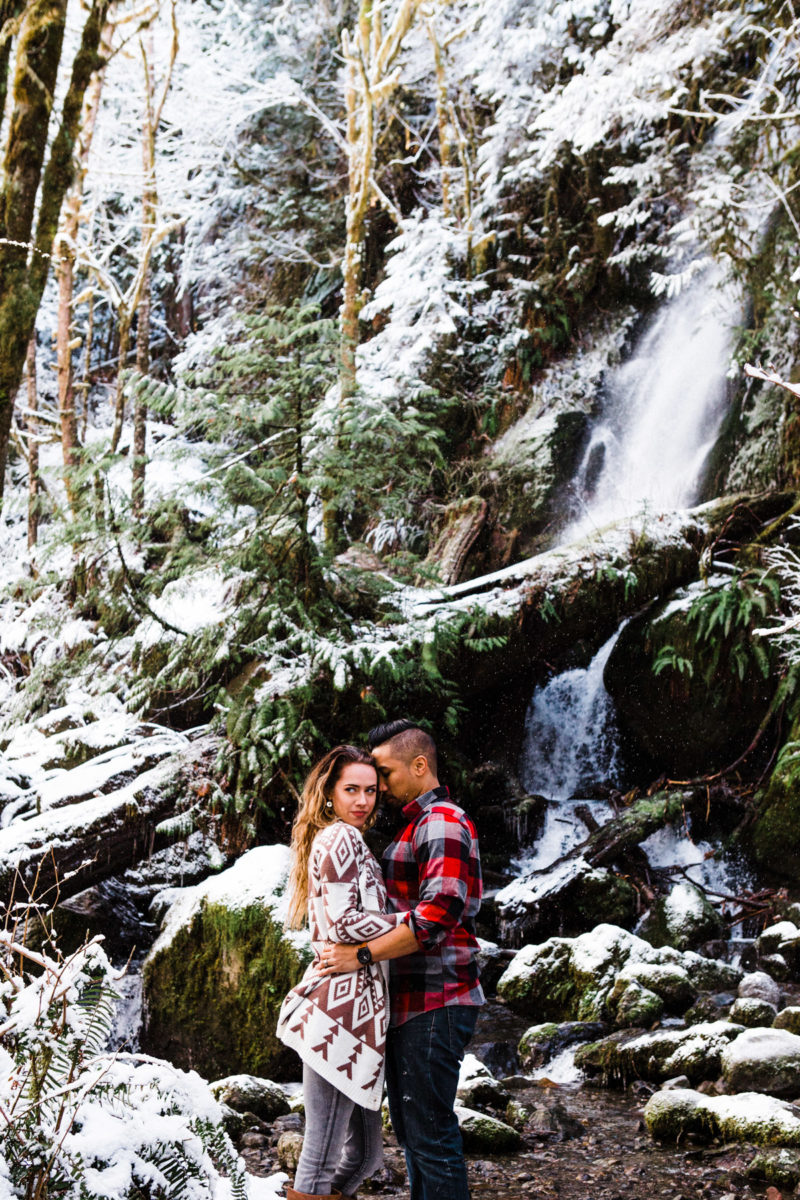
[[364, 954]]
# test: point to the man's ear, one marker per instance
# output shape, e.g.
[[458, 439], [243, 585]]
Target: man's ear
[[420, 765]]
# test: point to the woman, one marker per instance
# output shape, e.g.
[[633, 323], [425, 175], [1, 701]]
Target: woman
[[337, 1024]]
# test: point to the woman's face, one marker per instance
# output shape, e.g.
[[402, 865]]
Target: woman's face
[[354, 794]]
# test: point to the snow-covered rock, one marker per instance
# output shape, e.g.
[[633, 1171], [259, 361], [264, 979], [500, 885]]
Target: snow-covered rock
[[748, 1117], [694, 1052], [763, 1060], [576, 978], [760, 986], [752, 1012]]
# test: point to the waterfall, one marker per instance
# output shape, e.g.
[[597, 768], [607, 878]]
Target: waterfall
[[663, 410], [570, 732], [570, 743]]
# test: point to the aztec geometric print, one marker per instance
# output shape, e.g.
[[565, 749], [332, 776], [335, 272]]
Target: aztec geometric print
[[337, 1024]]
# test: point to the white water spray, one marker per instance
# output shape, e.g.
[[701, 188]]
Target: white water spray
[[664, 409]]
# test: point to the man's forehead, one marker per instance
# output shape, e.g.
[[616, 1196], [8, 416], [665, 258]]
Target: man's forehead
[[385, 756]]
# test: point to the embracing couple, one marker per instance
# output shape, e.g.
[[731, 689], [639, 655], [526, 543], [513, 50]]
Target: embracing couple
[[349, 1016]]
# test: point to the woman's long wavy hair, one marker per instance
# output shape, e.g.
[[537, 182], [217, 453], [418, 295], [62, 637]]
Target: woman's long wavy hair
[[313, 815]]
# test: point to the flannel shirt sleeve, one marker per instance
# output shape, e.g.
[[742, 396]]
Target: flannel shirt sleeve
[[347, 921], [442, 845]]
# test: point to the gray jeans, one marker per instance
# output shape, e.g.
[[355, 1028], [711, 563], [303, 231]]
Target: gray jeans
[[343, 1143]]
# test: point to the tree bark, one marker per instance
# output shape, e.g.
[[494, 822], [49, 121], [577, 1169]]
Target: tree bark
[[29, 189], [149, 211], [33, 448]]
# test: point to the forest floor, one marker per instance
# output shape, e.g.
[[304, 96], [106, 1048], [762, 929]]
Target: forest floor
[[601, 1149]]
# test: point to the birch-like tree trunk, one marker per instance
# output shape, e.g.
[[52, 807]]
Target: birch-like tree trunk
[[64, 255], [34, 483], [149, 215], [31, 193], [370, 52]]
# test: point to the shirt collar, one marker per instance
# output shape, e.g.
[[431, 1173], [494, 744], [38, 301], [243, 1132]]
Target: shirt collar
[[415, 807]]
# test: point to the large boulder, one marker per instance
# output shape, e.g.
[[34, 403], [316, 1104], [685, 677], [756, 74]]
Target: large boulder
[[671, 1115], [684, 918], [587, 978], [695, 1052], [697, 712], [763, 1060], [215, 978]]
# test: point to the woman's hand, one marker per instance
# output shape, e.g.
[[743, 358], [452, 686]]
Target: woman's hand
[[336, 958]]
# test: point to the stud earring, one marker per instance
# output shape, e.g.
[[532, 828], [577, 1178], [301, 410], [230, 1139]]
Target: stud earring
[[329, 805]]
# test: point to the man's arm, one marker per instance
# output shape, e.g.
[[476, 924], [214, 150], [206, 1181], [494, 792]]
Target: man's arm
[[398, 942]]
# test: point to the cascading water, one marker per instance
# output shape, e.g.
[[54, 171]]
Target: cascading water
[[663, 409], [570, 742], [662, 417]]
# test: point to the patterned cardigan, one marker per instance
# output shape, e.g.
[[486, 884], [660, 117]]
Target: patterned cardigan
[[337, 1023]]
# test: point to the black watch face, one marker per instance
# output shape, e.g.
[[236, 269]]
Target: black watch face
[[364, 956]]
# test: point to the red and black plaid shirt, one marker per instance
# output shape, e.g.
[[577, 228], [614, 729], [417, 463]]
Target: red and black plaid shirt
[[433, 873]]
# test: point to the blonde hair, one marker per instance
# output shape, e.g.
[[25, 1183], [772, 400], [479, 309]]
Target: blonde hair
[[315, 814]]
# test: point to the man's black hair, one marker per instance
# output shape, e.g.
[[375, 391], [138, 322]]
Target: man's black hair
[[390, 729], [409, 739]]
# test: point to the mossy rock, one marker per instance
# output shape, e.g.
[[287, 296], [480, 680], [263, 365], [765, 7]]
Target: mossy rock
[[215, 979], [776, 830], [634, 1006], [763, 1060], [683, 919], [248, 1093], [602, 895], [572, 979], [539, 1044], [788, 1018], [486, 1135], [779, 1167], [752, 1013], [671, 1115], [688, 722], [694, 1052]]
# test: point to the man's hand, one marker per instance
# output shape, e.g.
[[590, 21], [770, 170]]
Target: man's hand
[[337, 958]]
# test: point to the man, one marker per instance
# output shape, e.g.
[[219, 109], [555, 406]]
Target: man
[[433, 877]]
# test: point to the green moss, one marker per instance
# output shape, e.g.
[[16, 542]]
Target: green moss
[[213, 994], [776, 832]]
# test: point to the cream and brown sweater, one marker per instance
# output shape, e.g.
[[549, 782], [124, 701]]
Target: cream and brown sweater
[[337, 1023]]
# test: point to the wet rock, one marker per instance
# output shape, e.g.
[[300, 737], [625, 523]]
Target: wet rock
[[477, 1086], [517, 1114], [486, 1135], [634, 1006], [678, 1083], [566, 900], [751, 1012], [658, 709], [541, 1043], [778, 938], [763, 1120], [763, 1060], [248, 1093], [788, 1018], [695, 1052], [711, 974], [492, 962], [759, 986], [684, 919], [777, 1166], [574, 978], [290, 1146], [709, 1007], [216, 976], [234, 1123]]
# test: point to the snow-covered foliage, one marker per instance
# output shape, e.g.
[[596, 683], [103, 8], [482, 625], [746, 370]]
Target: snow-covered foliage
[[89, 1123]]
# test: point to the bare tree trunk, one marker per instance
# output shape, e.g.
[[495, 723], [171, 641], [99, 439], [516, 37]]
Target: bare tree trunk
[[149, 211], [124, 324], [65, 274], [29, 192], [369, 52], [33, 447], [442, 120], [85, 383]]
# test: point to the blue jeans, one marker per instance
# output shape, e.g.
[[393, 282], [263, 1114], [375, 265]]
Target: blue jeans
[[423, 1057]]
